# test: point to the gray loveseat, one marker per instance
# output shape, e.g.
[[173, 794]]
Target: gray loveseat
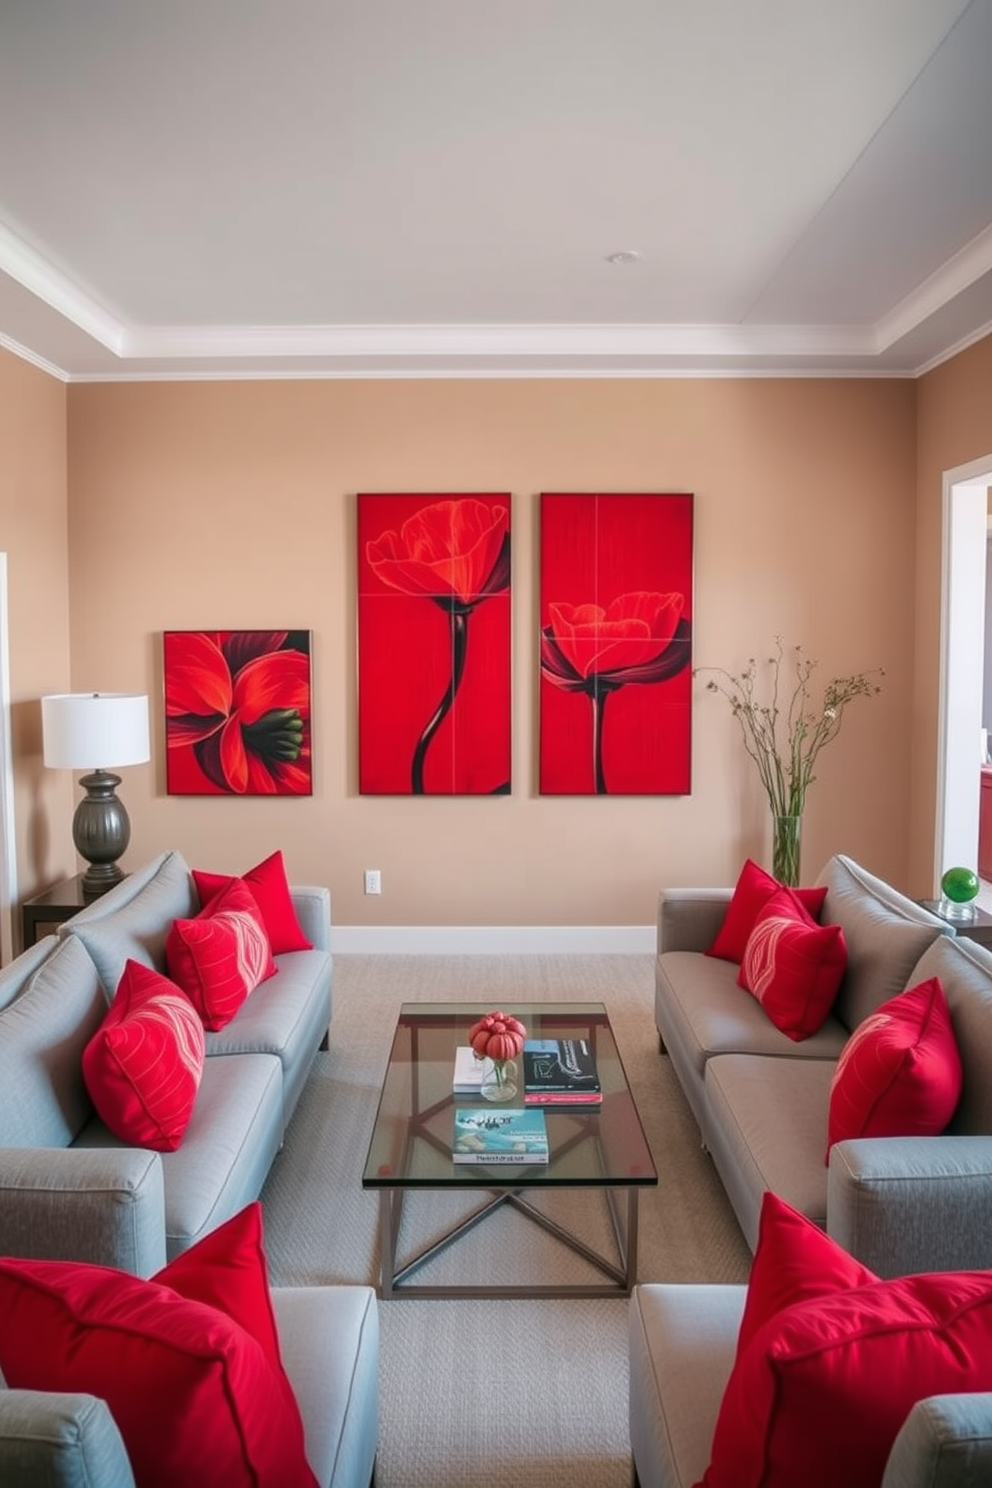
[[71, 1190]]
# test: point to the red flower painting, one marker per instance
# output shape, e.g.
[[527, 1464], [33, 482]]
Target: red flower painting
[[237, 705], [612, 637], [433, 710]]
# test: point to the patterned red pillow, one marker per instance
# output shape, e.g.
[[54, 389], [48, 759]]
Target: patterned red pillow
[[144, 1064], [793, 966], [268, 882], [753, 890], [221, 956], [900, 1071]]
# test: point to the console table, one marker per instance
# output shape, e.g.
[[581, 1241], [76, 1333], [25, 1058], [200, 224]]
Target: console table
[[53, 907], [978, 929]]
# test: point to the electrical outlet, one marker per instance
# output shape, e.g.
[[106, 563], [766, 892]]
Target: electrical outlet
[[373, 881]]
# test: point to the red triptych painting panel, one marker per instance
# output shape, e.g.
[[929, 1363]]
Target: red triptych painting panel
[[434, 644], [237, 710], [616, 632]]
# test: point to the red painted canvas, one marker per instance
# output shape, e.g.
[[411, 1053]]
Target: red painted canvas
[[616, 630], [237, 709], [434, 645]]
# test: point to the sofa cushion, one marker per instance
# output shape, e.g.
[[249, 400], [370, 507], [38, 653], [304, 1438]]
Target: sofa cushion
[[794, 1262], [193, 1393], [752, 892], [821, 1391], [131, 921], [221, 955], [885, 934], [900, 1074], [270, 886], [43, 1033], [144, 1063], [792, 965]]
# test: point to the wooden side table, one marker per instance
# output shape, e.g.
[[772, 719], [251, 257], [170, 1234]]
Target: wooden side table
[[979, 929], [53, 907]]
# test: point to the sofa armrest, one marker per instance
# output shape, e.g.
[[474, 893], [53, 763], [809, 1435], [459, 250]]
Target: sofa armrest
[[688, 919], [312, 903], [61, 1441], [103, 1205], [908, 1204], [944, 1442]]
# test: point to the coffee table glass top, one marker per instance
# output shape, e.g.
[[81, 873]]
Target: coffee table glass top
[[411, 1140]]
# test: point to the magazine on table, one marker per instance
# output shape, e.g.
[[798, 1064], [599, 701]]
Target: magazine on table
[[486, 1134], [467, 1077]]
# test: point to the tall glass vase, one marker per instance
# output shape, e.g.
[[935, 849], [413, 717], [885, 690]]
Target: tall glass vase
[[787, 834]]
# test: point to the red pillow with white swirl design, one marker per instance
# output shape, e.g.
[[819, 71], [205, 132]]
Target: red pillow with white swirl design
[[144, 1064], [793, 966], [221, 956]]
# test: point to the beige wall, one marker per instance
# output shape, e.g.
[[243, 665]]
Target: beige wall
[[34, 535], [954, 422], [233, 505]]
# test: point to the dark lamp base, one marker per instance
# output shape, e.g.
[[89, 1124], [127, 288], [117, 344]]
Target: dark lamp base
[[101, 832]]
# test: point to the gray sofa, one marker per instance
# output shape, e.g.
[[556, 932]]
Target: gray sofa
[[900, 1204], [69, 1189], [761, 1100]]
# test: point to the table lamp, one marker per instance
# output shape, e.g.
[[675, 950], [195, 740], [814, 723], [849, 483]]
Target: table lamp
[[91, 731]]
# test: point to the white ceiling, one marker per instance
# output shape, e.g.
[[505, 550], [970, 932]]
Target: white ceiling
[[433, 187]]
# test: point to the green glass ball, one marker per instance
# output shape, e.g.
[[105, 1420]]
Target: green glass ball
[[960, 885]]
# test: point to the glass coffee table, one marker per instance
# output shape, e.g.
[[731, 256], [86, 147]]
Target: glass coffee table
[[602, 1148]]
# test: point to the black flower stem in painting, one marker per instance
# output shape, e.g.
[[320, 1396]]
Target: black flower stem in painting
[[598, 700], [459, 643]]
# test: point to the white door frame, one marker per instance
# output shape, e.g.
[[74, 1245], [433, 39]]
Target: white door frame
[[8, 854], [962, 651]]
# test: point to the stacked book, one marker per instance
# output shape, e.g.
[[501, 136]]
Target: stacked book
[[560, 1072]]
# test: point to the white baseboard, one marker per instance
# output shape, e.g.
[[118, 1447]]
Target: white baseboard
[[492, 940]]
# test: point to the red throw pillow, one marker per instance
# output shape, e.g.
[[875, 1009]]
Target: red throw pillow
[[899, 1074], [794, 1261], [228, 1269], [268, 882], [793, 966], [221, 956], [819, 1394], [144, 1064], [192, 1393], [754, 889]]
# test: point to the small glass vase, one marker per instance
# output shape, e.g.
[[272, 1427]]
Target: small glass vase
[[499, 1079], [787, 834]]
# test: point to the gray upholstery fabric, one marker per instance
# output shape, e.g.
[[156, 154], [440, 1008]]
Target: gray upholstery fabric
[[907, 1204], [312, 903], [682, 1341], [64, 1204], [885, 933], [688, 919], [965, 972], [230, 1143], [329, 1338], [945, 1442], [766, 1127], [43, 1033], [15, 976], [60, 1441], [287, 1016], [131, 922]]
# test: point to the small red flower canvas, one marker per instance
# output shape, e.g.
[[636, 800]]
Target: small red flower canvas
[[434, 644], [616, 629], [237, 709]]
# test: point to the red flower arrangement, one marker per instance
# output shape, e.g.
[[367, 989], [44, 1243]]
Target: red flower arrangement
[[498, 1037]]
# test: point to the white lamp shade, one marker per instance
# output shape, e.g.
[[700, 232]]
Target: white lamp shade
[[94, 730]]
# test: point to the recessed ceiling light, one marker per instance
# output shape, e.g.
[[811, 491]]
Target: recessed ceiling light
[[625, 256]]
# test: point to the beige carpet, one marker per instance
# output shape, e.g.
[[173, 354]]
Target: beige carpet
[[535, 1389]]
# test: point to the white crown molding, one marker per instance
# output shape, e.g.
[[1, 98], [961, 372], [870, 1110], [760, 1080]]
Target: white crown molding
[[492, 940], [485, 350]]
